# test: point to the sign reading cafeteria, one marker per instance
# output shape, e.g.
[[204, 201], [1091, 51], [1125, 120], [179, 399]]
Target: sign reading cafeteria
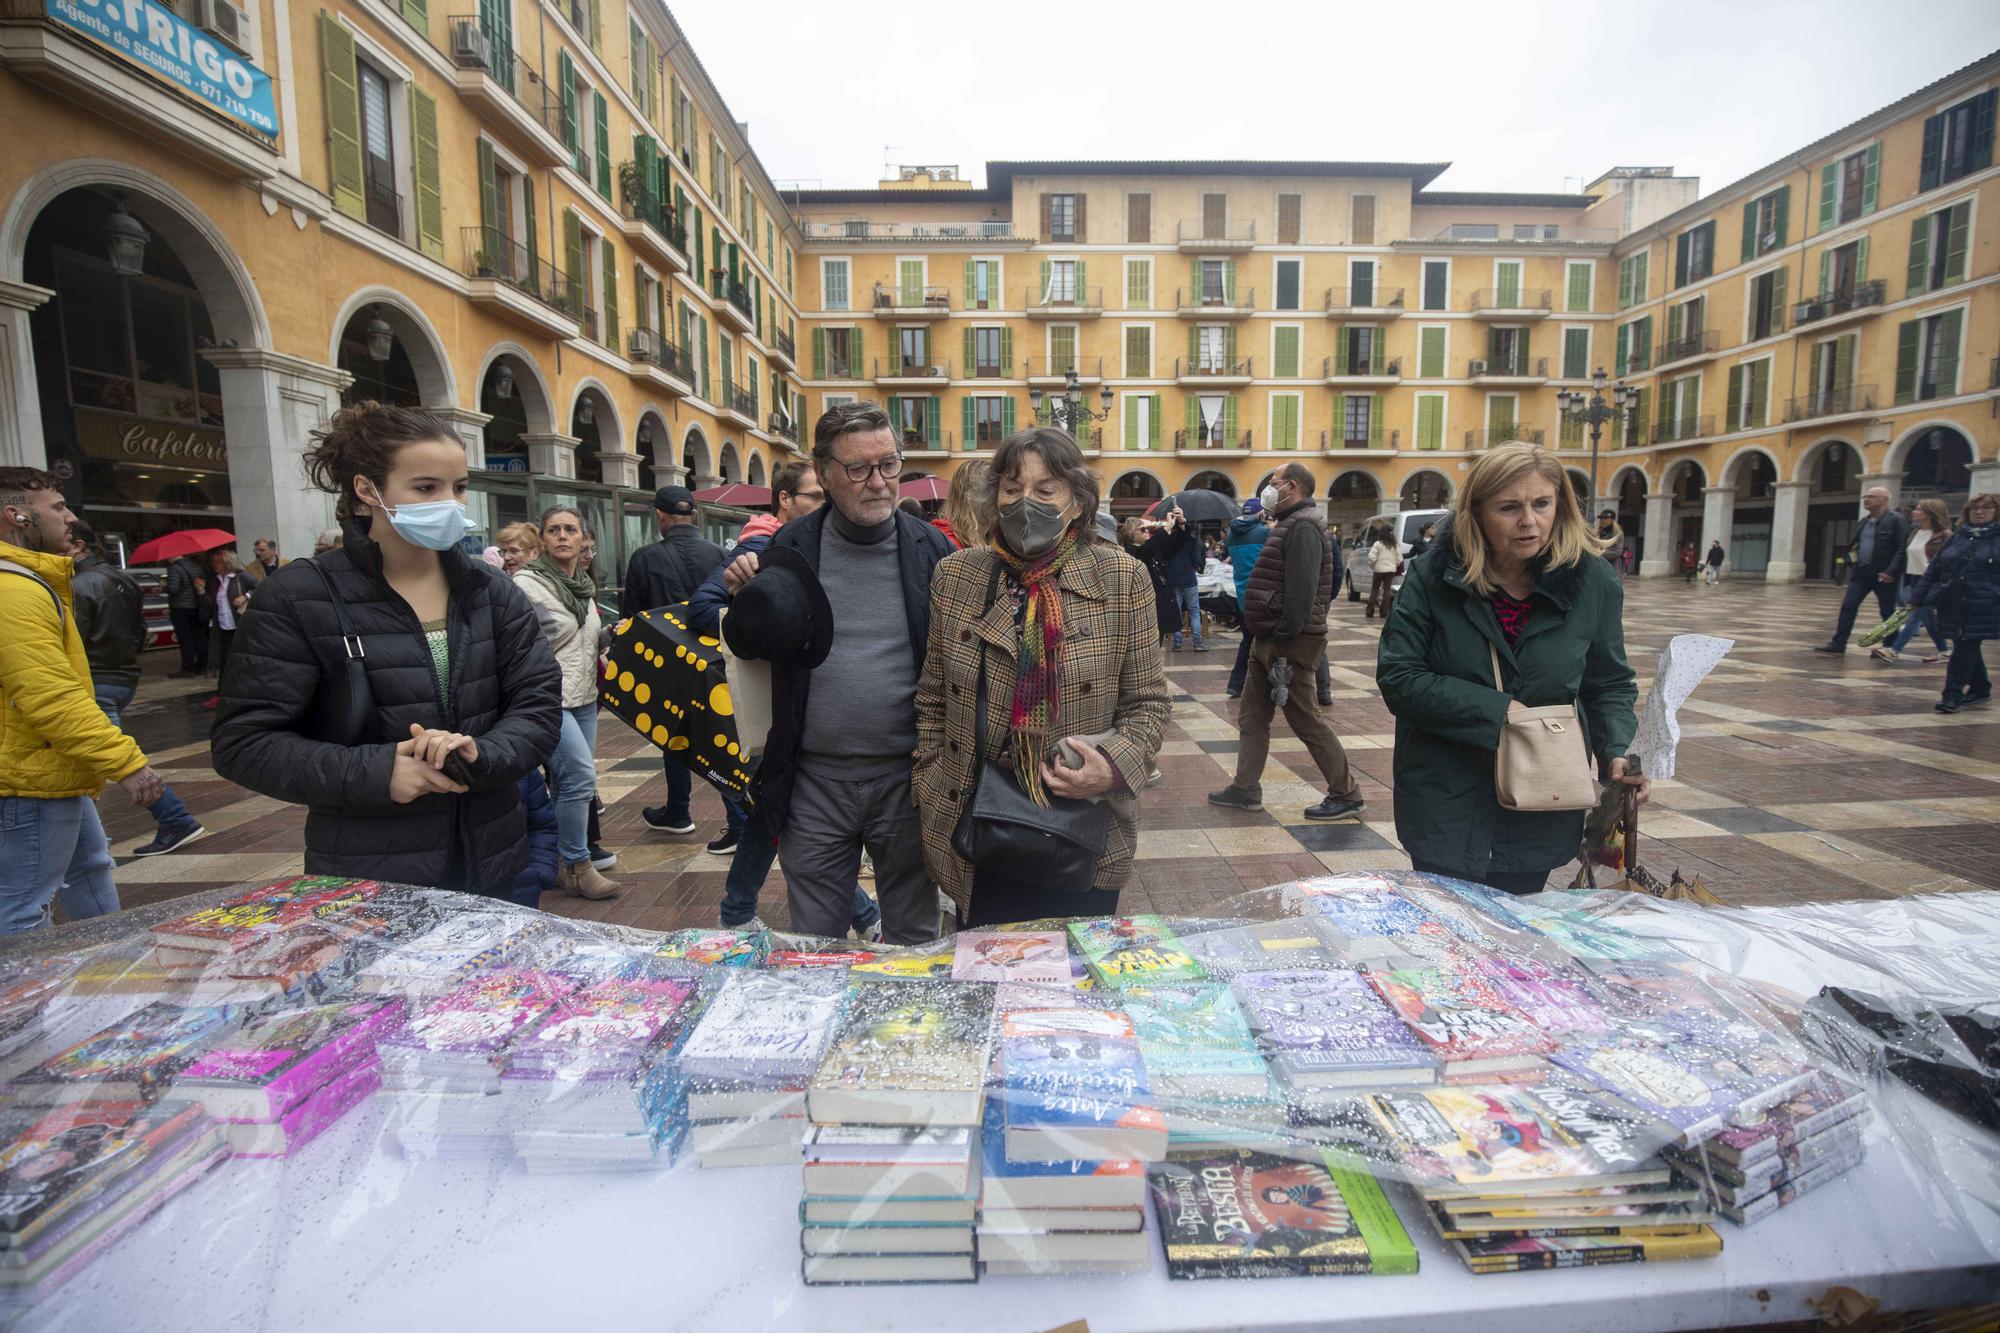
[[132, 440], [153, 36]]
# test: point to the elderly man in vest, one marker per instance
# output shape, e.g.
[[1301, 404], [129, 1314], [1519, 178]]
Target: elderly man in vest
[[1284, 612]]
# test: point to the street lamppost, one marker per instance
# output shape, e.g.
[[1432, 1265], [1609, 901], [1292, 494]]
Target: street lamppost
[[1070, 406], [1576, 405]]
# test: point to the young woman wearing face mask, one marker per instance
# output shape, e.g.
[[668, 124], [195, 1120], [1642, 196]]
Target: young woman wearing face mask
[[465, 693], [1076, 696]]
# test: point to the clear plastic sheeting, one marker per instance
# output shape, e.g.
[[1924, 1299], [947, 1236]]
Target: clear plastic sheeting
[[325, 1103]]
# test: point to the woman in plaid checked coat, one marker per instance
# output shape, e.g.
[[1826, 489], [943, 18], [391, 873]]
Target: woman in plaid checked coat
[[1071, 646]]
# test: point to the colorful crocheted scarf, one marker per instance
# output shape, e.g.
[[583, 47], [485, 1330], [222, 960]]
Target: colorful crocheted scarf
[[1037, 662]]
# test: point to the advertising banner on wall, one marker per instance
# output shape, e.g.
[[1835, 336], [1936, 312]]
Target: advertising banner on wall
[[160, 41]]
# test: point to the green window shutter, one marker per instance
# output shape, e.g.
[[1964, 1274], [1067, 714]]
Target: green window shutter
[[1194, 282], [1624, 343], [855, 363], [1229, 346], [424, 167], [971, 288], [674, 91], [416, 14], [934, 411], [1285, 352], [1374, 421], [1508, 279], [1493, 347], [1082, 278], [1825, 270], [1127, 436], [1641, 274], [1760, 394], [1006, 351], [1229, 434], [343, 115], [1153, 427], [1829, 182], [1430, 353], [1945, 373], [1779, 278], [701, 340], [1007, 416], [1624, 282], [1430, 421], [597, 26], [489, 195], [1871, 171], [1920, 257], [1750, 231], [603, 106], [566, 83], [1229, 282], [528, 239], [1785, 213], [1676, 316], [969, 429], [1194, 347], [1576, 354], [1042, 292], [1735, 398], [1193, 421], [610, 293], [819, 354], [1643, 345], [1861, 261], [1957, 222], [1579, 287], [971, 349], [573, 256], [1843, 362], [1815, 377]]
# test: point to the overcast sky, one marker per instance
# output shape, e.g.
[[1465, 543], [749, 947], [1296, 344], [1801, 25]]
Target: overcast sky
[[1518, 96]]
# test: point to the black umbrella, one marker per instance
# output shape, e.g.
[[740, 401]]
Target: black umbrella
[[1200, 506]]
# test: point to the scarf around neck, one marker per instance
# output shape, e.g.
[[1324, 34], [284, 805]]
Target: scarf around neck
[[576, 591], [1037, 708]]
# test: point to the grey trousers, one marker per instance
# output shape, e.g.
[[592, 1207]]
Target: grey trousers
[[831, 821]]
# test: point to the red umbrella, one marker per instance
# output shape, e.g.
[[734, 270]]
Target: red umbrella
[[925, 488], [738, 495], [177, 544]]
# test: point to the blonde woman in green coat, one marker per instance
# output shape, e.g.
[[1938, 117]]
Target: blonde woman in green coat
[[1515, 571]]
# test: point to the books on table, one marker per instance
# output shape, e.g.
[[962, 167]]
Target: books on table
[[457, 1042], [906, 1053], [279, 1081], [1267, 946], [891, 1162], [1455, 1011], [1034, 957], [1322, 1029], [1197, 1043], [765, 1027], [1505, 1138], [1008, 1184], [1134, 950], [1074, 1087], [1518, 1254], [1249, 1214], [137, 1058], [261, 914], [1690, 1076]]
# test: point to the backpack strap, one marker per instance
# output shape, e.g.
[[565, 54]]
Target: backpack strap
[[9, 567]]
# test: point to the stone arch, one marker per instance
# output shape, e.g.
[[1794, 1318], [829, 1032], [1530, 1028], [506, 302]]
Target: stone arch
[[597, 435], [1810, 457], [1685, 479], [651, 439], [730, 465], [1898, 456], [1732, 469], [755, 475], [1617, 482], [1414, 490], [1579, 483], [1134, 490], [529, 385], [1211, 480], [696, 455], [225, 284], [605, 406], [415, 334]]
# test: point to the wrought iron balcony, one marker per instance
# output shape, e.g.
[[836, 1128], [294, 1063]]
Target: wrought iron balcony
[[514, 280], [1346, 437], [1487, 439], [1217, 369], [784, 349], [641, 205], [1209, 303], [491, 74], [1517, 302], [739, 403], [1194, 235], [1372, 299], [897, 299], [1840, 302], [1692, 347], [1211, 438], [1677, 429], [898, 368], [736, 309], [649, 347], [1831, 402], [1373, 367], [1517, 368], [1063, 301], [784, 428]]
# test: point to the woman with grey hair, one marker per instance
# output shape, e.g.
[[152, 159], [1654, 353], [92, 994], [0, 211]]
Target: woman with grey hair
[[1062, 628], [328, 540]]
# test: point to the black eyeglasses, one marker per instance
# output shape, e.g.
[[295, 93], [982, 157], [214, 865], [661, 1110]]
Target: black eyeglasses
[[889, 467]]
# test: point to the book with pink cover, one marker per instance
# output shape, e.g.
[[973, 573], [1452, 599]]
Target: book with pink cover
[[1038, 957], [252, 917], [1455, 1011], [483, 1016], [270, 1066], [1552, 999], [606, 1029], [306, 1120]]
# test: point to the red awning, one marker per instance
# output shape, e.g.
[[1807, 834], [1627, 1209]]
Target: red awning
[[925, 488], [738, 495]]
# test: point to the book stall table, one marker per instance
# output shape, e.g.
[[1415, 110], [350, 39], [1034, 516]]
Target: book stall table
[[349, 1232]]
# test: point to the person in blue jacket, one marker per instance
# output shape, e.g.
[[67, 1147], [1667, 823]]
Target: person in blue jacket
[[1182, 568], [538, 876], [1245, 542]]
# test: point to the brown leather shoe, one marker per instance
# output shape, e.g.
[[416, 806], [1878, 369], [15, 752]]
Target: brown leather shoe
[[582, 879]]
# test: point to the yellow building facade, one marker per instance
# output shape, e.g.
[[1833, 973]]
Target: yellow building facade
[[538, 219]]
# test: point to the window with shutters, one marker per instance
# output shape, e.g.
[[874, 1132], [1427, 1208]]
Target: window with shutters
[[911, 414], [1632, 276], [684, 129], [1927, 356], [1214, 281], [1958, 141], [1749, 395], [1142, 421], [1288, 218], [1429, 432], [986, 351], [1635, 346], [1694, 254], [834, 291], [988, 420], [1578, 285], [1765, 220], [1062, 283], [1214, 216], [639, 52], [1211, 347], [982, 285], [1062, 348], [378, 150], [1139, 351], [1840, 269], [1507, 351], [1437, 284], [1767, 305], [1361, 283], [1139, 219], [1360, 351], [1285, 421], [1361, 220], [1576, 353], [1138, 284], [1432, 342], [840, 358], [1937, 248], [746, 213], [1288, 281], [1357, 413], [913, 349], [591, 282], [1285, 340], [1062, 218]]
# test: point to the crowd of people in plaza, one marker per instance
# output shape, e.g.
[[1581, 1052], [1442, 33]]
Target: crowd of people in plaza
[[941, 682]]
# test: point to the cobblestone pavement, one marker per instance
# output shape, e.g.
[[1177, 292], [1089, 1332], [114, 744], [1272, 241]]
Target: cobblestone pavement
[[1801, 778]]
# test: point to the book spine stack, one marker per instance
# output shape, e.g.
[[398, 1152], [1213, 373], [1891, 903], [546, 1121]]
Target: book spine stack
[[888, 1204], [1775, 1173]]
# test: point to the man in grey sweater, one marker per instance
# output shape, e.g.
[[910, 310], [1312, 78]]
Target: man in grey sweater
[[835, 777]]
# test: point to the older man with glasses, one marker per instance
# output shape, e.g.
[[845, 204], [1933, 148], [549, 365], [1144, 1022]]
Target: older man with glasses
[[835, 776]]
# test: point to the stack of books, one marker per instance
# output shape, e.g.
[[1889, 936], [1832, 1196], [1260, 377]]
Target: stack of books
[[135, 1059], [1074, 1093], [714, 948], [1065, 1217], [748, 1060], [1205, 1067], [1251, 1214], [278, 1082], [593, 1087], [444, 1065], [1549, 1175], [1454, 1009], [892, 1158], [79, 1176], [462, 946], [1760, 1162]]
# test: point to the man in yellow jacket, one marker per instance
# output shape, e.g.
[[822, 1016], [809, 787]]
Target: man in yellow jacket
[[57, 749]]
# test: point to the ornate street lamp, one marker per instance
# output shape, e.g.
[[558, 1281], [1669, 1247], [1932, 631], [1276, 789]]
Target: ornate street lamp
[[586, 411], [125, 241], [1070, 404], [381, 338], [503, 381], [1590, 408]]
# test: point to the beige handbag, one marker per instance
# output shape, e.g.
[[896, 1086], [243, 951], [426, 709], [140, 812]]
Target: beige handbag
[[1543, 762]]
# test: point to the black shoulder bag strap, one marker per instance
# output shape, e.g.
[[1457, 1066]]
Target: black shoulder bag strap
[[344, 712]]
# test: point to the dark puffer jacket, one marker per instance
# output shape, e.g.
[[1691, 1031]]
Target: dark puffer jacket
[[1963, 583], [504, 691]]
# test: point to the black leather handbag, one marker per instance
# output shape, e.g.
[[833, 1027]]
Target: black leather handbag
[[344, 709], [1002, 831]]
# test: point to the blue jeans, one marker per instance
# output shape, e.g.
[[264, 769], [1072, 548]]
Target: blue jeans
[[680, 796], [1187, 601], [573, 774], [756, 849], [167, 812], [1858, 588], [1921, 618], [51, 845], [1964, 675]]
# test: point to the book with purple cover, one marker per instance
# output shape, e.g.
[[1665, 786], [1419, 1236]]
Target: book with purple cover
[[1692, 1081], [482, 1016], [306, 1120], [1552, 999], [605, 1030], [269, 1066], [55, 1161], [1821, 1104], [1330, 1029]]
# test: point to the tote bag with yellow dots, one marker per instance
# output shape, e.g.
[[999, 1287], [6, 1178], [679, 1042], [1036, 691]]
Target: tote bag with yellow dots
[[671, 684]]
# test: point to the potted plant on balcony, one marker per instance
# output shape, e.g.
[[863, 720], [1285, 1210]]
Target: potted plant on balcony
[[482, 264], [629, 184]]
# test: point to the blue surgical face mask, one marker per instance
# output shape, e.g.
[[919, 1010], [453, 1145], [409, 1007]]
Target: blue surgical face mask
[[436, 525]]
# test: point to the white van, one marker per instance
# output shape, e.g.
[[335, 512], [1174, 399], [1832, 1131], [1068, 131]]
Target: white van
[[1407, 525]]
